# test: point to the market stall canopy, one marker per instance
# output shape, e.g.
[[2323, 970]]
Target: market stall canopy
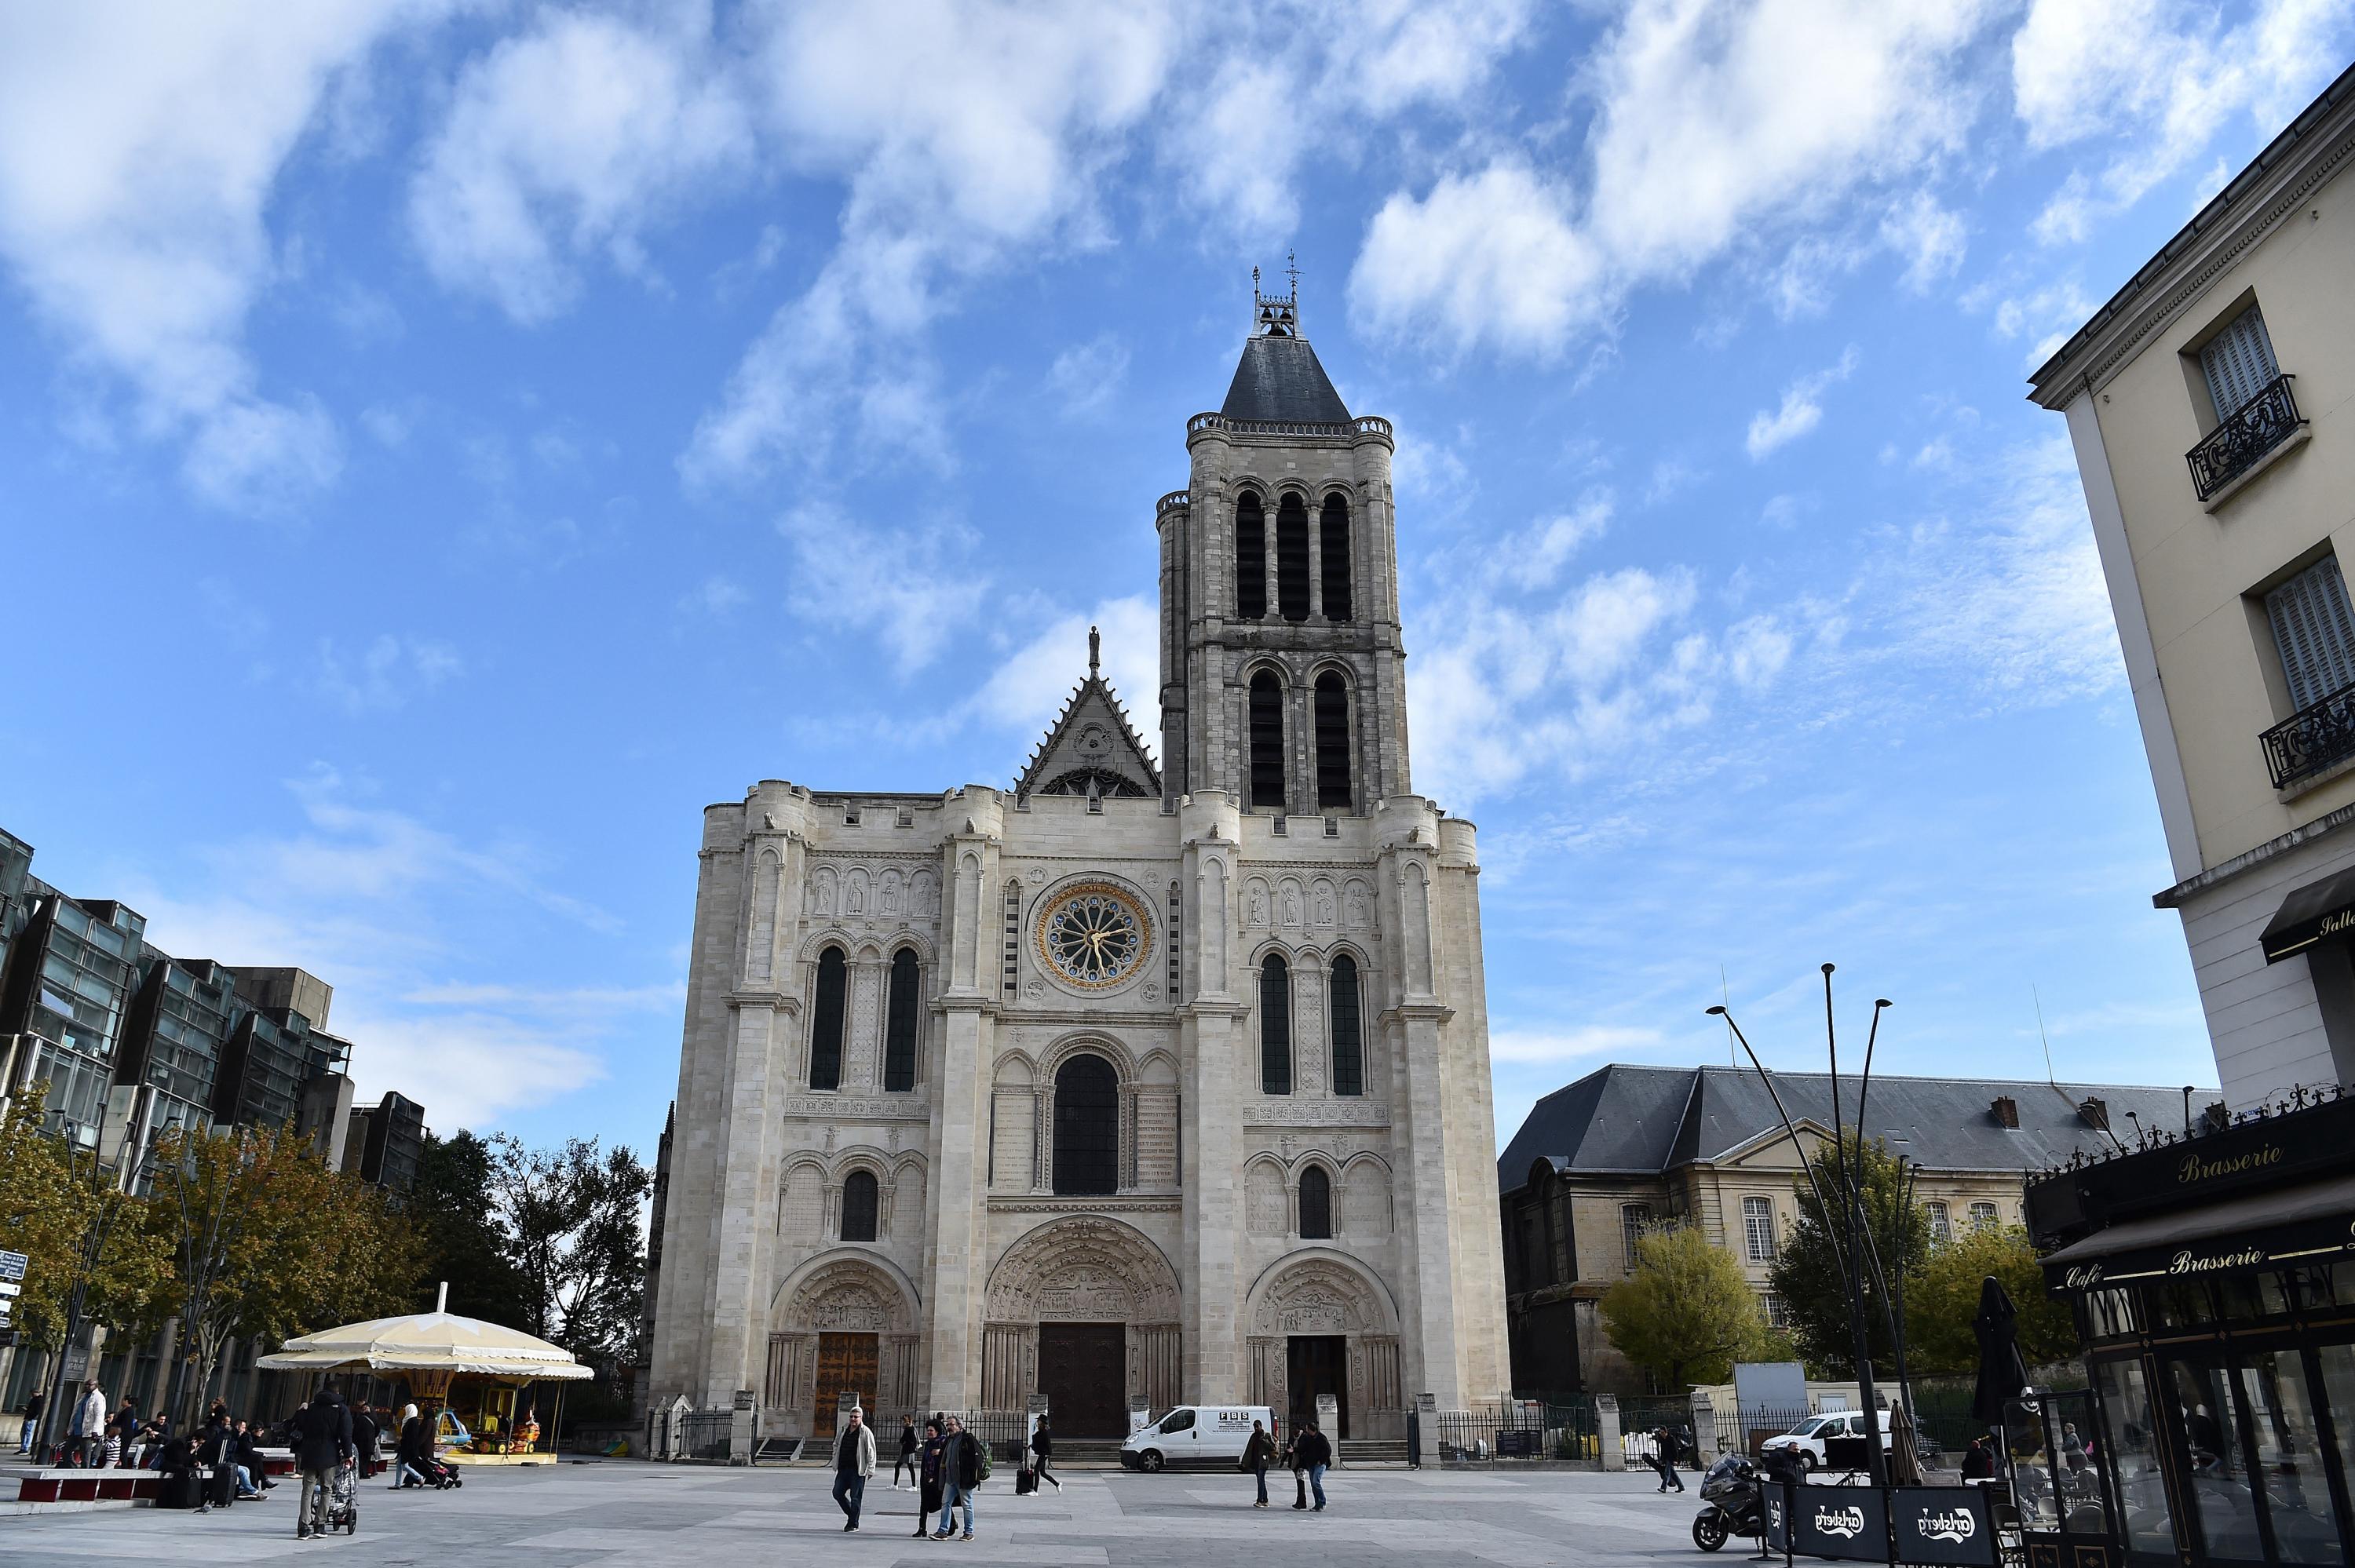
[[427, 1343]]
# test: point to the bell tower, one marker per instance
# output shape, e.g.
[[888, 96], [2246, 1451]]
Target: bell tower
[[1283, 677]]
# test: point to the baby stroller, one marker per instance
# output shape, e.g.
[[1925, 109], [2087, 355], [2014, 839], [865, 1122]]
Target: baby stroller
[[344, 1499]]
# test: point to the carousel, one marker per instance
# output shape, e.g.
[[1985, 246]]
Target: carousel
[[478, 1382]]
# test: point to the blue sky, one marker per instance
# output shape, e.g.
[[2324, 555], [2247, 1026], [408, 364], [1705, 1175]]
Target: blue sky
[[445, 446]]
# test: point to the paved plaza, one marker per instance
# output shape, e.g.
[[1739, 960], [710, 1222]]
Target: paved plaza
[[621, 1512]]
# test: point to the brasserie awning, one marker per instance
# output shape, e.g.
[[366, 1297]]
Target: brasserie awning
[[2309, 915], [2311, 1222]]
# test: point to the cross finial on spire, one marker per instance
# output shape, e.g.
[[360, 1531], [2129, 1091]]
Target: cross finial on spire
[[1292, 271], [1095, 646]]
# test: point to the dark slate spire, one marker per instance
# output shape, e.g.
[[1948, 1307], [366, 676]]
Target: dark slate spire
[[1279, 377]]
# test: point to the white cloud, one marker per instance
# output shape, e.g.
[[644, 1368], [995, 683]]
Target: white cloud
[[139, 147], [1087, 375], [1717, 127], [1931, 238], [1028, 689], [565, 142], [2156, 80], [1801, 411], [1545, 1048], [1490, 258], [871, 579], [715, 596], [386, 673], [363, 896], [963, 130]]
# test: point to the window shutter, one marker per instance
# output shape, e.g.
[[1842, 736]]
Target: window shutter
[[2238, 363], [2315, 631]]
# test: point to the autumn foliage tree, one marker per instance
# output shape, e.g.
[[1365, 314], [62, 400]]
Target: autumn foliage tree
[[53, 1203], [271, 1244]]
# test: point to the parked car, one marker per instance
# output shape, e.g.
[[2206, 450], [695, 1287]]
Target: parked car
[[1196, 1434]]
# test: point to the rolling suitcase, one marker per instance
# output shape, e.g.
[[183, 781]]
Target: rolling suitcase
[[1026, 1482]]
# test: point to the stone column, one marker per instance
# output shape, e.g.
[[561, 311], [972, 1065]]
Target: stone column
[[968, 1014], [1210, 1150]]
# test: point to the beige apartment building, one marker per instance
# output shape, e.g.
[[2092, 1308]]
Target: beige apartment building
[[2207, 402], [1599, 1161]]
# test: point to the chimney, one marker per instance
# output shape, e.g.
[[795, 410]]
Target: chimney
[[2006, 1111], [2095, 1112]]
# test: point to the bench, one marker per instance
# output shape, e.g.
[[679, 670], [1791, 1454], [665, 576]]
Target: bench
[[64, 1484]]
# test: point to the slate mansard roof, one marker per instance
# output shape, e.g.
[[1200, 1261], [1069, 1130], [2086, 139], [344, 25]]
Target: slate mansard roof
[[1642, 1121], [1279, 377]]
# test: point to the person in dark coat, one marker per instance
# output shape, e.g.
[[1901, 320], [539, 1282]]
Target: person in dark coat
[[1664, 1459], [928, 1475], [33, 1404], [1042, 1450], [175, 1464], [252, 1472], [960, 1473], [367, 1439], [1257, 1454], [1978, 1461], [908, 1447], [214, 1446], [322, 1441], [1312, 1453]]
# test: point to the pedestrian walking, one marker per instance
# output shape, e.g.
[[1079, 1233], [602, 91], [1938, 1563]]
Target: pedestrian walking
[[1257, 1454], [1042, 1450], [962, 1466], [1664, 1459], [907, 1459], [928, 1474], [1290, 1459], [123, 1432], [1312, 1451], [367, 1439], [853, 1461], [323, 1432], [87, 1433], [33, 1404]]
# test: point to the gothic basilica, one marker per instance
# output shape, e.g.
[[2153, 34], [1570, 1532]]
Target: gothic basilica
[[1130, 1085]]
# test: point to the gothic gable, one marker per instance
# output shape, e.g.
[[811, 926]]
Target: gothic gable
[[1091, 749]]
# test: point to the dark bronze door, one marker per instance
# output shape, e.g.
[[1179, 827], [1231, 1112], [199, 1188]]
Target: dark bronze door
[[1084, 1373], [846, 1364], [1314, 1364]]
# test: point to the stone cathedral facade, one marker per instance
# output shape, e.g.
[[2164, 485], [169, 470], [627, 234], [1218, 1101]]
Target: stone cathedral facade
[[1131, 1083]]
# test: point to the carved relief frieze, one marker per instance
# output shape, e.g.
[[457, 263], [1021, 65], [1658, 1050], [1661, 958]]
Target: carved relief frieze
[[1270, 1110]]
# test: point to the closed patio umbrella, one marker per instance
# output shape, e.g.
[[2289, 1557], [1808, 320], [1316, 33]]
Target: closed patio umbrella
[[2002, 1373]]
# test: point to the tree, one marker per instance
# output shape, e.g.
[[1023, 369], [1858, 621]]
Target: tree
[[572, 1215], [466, 1243], [272, 1243], [1940, 1305], [74, 1227], [1807, 1272], [1686, 1314]]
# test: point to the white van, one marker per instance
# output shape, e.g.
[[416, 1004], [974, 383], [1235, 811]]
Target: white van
[[1806, 1439], [1195, 1435]]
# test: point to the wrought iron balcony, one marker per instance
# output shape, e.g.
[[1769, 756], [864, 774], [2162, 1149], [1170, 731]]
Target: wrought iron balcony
[[2312, 738], [2233, 447]]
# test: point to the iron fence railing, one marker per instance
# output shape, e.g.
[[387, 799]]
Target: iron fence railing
[[2312, 738], [1514, 1431], [2248, 433], [703, 1435]]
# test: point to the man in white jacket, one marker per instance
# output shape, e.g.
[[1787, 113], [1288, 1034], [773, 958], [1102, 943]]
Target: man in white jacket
[[853, 1461], [89, 1424]]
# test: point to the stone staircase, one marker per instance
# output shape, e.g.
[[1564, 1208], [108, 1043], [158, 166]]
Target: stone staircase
[[1371, 1451]]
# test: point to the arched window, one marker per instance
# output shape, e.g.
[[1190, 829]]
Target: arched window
[[1349, 1042], [1266, 742], [1292, 558], [1251, 559], [859, 1204], [1332, 742], [826, 1022], [1087, 1128], [1274, 1026], [899, 1023], [1315, 1204], [1333, 546]]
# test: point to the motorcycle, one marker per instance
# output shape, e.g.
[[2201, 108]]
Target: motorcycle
[[1733, 1503]]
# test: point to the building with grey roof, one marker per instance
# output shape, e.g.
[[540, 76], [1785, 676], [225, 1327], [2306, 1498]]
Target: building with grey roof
[[1626, 1147]]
